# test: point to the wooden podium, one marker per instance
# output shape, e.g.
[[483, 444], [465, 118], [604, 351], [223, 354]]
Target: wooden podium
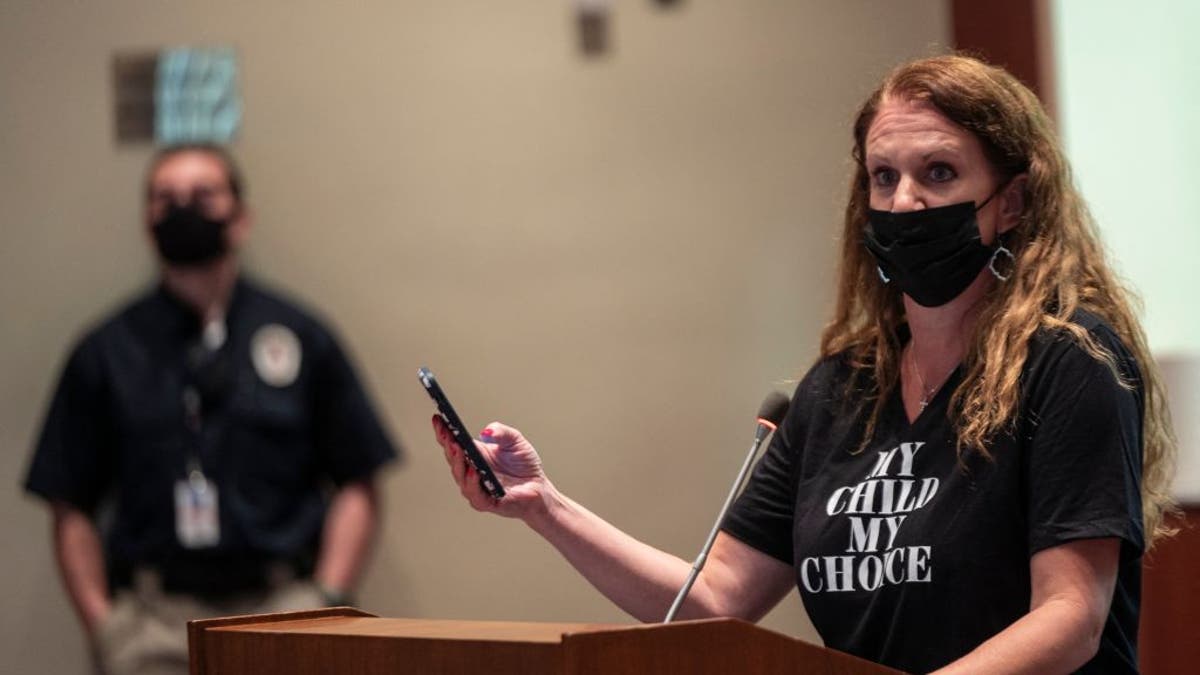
[[346, 640]]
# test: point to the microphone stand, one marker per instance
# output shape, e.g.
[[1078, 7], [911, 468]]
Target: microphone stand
[[764, 429]]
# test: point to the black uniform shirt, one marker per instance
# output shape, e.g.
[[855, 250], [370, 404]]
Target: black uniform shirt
[[284, 419], [905, 556]]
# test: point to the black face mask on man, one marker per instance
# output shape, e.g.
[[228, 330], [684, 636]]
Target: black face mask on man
[[186, 236], [932, 255]]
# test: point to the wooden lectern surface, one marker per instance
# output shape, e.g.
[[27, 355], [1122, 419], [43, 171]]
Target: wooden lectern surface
[[346, 640], [437, 629]]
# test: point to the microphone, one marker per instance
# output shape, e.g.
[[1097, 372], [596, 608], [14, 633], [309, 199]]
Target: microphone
[[770, 414]]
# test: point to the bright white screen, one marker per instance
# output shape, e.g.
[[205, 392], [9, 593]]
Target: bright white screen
[[1128, 88], [1128, 95]]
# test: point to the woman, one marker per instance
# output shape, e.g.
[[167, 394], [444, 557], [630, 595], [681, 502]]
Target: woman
[[967, 478]]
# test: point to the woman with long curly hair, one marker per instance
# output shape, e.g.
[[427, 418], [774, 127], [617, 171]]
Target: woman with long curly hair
[[968, 476]]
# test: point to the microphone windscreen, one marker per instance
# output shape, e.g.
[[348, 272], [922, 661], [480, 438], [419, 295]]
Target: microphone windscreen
[[773, 408]]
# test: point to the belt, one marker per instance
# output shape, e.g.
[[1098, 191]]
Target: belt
[[209, 577]]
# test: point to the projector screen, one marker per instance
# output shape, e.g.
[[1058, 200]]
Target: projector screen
[[1127, 80]]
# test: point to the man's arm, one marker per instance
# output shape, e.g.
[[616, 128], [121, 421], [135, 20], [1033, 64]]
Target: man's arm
[[81, 563], [349, 530]]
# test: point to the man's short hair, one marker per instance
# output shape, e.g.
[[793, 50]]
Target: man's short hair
[[232, 173]]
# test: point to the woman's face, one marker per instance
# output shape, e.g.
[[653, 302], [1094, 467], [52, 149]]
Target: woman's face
[[916, 158]]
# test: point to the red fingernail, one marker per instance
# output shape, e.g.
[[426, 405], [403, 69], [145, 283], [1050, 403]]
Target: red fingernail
[[486, 432]]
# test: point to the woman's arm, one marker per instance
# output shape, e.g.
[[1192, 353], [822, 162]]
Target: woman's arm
[[737, 580], [1072, 589]]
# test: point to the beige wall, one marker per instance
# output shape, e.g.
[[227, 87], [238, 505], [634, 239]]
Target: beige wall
[[619, 256]]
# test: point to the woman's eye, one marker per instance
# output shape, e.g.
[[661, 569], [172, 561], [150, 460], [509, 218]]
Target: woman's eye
[[884, 177], [940, 173]]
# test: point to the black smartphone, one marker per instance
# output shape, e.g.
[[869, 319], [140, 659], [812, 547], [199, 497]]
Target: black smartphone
[[487, 479]]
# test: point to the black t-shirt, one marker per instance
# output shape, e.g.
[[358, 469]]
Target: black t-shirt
[[283, 420], [907, 557]]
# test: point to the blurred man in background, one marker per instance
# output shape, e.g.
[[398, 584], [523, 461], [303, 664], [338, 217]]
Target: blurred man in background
[[209, 449]]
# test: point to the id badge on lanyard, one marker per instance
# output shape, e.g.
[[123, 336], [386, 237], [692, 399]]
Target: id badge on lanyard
[[197, 524], [197, 517]]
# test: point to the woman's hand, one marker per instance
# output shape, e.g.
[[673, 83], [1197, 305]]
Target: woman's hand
[[513, 460]]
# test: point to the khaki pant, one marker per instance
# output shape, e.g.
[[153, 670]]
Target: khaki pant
[[146, 631]]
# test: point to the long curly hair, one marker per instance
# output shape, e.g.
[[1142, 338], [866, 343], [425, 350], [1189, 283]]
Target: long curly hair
[[1060, 267]]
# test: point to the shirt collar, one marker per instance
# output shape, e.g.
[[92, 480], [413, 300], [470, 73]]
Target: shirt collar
[[178, 318]]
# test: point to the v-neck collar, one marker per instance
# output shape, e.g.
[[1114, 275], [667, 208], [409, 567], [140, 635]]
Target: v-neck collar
[[937, 403]]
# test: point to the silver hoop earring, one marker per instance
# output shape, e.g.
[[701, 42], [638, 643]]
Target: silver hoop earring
[[992, 263], [882, 276]]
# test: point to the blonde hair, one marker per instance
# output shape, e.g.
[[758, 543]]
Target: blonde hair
[[1060, 267]]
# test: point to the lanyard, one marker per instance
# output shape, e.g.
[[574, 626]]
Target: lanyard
[[193, 420]]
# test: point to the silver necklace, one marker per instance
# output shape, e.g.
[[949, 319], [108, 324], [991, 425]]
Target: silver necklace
[[927, 392]]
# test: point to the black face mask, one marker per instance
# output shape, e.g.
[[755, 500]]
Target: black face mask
[[185, 236], [932, 255]]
